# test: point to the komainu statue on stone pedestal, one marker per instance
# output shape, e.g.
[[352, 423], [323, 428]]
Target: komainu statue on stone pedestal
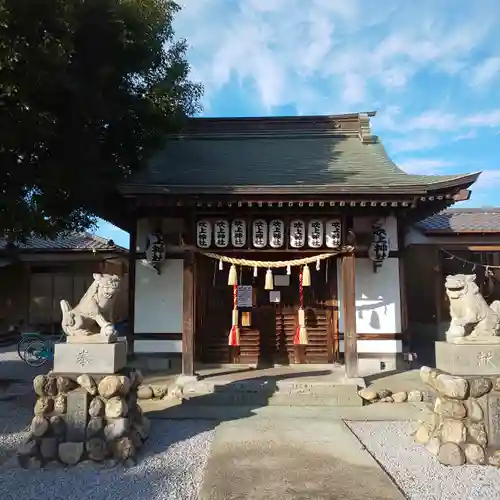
[[472, 319], [91, 320]]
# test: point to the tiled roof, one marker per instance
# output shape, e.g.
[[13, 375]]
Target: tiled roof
[[316, 154], [463, 220], [70, 242]]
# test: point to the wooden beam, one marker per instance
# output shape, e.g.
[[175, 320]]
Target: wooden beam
[[131, 288], [484, 248], [462, 195], [188, 316], [348, 275]]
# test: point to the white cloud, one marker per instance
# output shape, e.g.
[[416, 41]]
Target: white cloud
[[354, 89], [413, 143], [489, 179], [437, 120], [471, 134], [425, 166], [488, 119], [485, 72], [282, 48]]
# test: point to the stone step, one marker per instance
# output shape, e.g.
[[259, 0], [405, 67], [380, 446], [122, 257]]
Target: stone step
[[251, 394]]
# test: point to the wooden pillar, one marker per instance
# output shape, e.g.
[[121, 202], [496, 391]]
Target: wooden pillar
[[131, 288], [438, 288], [348, 276], [188, 316], [402, 257]]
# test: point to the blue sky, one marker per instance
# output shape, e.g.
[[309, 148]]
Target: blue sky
[[431, 70]]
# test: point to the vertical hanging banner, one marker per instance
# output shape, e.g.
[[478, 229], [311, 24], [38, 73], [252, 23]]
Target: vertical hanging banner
[[333, 233], [315, 233], [259, 233], [221, 233], [276, 233], [203, 234], [297, 233]]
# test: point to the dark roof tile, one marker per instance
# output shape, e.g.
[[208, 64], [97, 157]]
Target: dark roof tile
[[237, 155], [458, 220], [69, 242]]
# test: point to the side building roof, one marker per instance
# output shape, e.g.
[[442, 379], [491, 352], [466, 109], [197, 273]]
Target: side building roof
[[72, 242], [462, 220]]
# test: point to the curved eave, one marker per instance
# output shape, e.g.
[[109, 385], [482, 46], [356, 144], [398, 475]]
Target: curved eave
[[461, 182], [458, 182]]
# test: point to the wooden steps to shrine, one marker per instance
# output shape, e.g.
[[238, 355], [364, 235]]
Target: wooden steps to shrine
[[273, 344]]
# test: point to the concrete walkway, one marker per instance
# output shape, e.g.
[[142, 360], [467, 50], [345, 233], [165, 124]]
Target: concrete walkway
[[288, 459], [291, 453]]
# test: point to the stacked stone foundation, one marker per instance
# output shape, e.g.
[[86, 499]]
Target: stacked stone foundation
[[464, 426], [85, 418]]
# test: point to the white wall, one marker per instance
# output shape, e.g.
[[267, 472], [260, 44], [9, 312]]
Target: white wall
[[378, 303], [386, 346], [158, 305]]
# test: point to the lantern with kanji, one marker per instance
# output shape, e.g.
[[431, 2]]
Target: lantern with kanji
[[379, 248], [155, 250]]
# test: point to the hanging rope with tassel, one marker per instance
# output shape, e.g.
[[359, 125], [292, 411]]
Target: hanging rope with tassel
[[301, 331], [234, 334]]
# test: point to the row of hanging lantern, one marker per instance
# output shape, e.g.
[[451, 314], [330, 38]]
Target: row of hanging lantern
[[223, 233], [378, 251]]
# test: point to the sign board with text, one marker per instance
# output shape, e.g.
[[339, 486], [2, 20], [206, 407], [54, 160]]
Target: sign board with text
[[245, 296]]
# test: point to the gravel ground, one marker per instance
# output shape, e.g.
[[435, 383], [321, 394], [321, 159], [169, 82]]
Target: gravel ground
[[419, 474], [11, 367], [171, 469]]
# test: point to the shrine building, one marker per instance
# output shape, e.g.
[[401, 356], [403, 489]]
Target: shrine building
[[276, 240]]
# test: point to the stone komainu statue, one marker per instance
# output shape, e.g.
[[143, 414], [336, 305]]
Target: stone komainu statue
[[94, 313], [471, 317]]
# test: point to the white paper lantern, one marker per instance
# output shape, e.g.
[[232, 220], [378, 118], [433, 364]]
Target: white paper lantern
[[203, 234], [297, 233], [221, 233], [238, 233], [380, 246], [315, 233], [155, 248], [333, 232], [259, 233], [276, 233]]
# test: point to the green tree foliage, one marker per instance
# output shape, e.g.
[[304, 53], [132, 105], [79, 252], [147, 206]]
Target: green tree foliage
[[88, 89]]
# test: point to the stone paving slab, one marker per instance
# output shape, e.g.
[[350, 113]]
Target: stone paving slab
[[165, 409], [259, 459]]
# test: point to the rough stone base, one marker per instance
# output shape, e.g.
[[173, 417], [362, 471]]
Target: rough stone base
[[468, 359], [90, 358], [79, 417], [464, 426]]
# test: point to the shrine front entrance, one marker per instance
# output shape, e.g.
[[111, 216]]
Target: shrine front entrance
[[267, 329]]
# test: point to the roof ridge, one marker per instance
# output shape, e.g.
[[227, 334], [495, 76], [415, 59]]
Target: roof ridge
[[281, 117]]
